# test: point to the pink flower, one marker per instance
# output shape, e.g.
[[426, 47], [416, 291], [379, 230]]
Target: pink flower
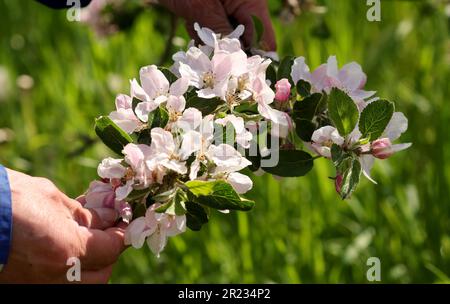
[[283, 90], [102, 195], [154, 228], [124, 116], [383, 148]]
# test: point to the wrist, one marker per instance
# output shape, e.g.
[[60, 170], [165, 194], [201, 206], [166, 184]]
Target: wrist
[[5, 217]]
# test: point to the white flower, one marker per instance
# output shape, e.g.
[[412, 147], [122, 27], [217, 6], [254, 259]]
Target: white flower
[[189, 120], [323, 138], [124, 116], [111, 168], [240, 182], [102, 195], [300, 70], [155, 90], [166, 153], [228, 161], [155, 228], [243, 137], [215, 42], [139, 175], [395, 128], [226, 158], [350, 78]]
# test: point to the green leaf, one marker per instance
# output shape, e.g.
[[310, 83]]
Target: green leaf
[[303, 88], [134, 104], [309, 107], [247, 107], [375, 118], [218, 194], [144, 137], [258, 27], [111, 135], [158, 118], [351, 178], [343, 111], [305, 129], [196, 216], [175, 205], [284, 69], [337, 155], [292, 163], [137, 194], [271, 74], [169, 75], [305, 111], [206, 106]]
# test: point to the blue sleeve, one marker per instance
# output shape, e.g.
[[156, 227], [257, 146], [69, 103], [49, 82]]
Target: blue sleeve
[[5, 216]]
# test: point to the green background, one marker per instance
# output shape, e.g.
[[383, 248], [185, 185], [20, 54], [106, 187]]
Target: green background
[[299, 231]]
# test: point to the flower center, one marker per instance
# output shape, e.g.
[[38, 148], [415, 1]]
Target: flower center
[[242, 83], [232, 99], [208, 80]]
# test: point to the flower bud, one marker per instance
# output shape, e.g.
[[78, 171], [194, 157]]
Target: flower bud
[[283, 90], [382, 148], [338, 183]]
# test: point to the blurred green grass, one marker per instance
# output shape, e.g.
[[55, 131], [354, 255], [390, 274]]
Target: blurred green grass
[[300, 231]]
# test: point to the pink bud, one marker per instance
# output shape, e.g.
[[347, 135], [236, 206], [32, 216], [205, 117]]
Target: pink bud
[[338, 183], [283, 90], [382, 148]]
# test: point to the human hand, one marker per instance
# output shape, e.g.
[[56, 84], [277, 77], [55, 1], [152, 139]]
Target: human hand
[[49, 228], [218, 15]]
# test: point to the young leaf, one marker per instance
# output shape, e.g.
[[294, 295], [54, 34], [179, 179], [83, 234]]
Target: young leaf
[[169, 75], [284, 69], [158, 118], [375, 118], [218, 194], [196, 216], [309, 107], [111, 135], [305, 111], [343, 111], [134, 103], [337, 155], [271, 74], [206, 106], [351, 178], [305, 129], [292, 163], [303, 88]]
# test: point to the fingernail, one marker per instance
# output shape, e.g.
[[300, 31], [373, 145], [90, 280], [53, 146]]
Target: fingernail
[[107, 215]]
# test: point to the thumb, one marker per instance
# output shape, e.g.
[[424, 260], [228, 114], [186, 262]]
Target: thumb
[[96, 218]]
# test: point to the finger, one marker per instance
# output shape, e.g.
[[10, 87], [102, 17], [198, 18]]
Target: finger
[[242, 12], [98, 218], [81, 199], [97, 277], [268, 42], [209, 14], [101, 248]]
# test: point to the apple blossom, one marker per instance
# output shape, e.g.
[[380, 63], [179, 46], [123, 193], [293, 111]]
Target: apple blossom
[[350, 78], [323, 138], [124, 116], [176, 167], [283, 90], [102, 195], [154, 228], [243, 137]]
